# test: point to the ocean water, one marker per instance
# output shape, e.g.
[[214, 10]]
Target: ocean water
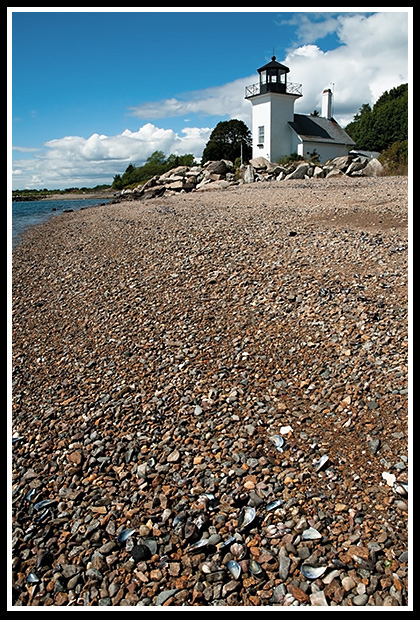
[[29, 213]]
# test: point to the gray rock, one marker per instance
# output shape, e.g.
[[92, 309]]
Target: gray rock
[[341, 163], [260, 163], [284, 565], [318, 599], [299, 172], [360, 600], [249, 174], [217, 167]]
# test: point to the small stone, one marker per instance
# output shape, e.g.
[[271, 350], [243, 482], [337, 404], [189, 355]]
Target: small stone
[[299, 595], [389, 478], [140, 552], [284, 565], [374, 445], [107, 548], [360, 600], [318, 599], [348, 583], [165, 595], [75, 457]]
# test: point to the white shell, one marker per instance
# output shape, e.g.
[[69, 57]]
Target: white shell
[[312, 572], [321, 462], [311, 534], [278, 441], [234, 568], [247, 515]]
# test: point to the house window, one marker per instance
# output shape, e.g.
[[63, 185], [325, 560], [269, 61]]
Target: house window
[[261, 134]]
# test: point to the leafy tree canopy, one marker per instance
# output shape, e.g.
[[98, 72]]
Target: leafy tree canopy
[[226, 140], [377, 128]]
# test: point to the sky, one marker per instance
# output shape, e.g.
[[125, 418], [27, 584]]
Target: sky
[[92, 91]]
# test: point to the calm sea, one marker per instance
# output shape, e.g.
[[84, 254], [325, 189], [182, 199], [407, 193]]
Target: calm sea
[[29, 213]]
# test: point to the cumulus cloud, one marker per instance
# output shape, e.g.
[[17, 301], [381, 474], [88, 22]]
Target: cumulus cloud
[[77, 161], [226, 100], [371, 57]]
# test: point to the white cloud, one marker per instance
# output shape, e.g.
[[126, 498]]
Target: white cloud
[[25, 149], [226, 100], [311, 26], [77, 161], [372, 56]]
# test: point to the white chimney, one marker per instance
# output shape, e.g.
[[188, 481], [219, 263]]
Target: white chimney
[[327, 103]]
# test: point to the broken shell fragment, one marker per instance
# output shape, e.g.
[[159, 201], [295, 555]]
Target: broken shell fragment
[[234, 568], [246, 516], [122, 536], [43, 503], [274, 504], [311, 534], [278, 441], [226, 543], [322, 463], [312, 572], [401, 487], [255, 568], [199, 544]]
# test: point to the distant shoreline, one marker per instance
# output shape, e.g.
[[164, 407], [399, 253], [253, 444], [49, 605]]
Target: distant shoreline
[[67, 196], [86, 196]]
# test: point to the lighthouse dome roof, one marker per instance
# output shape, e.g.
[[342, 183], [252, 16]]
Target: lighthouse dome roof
[[273, 64]]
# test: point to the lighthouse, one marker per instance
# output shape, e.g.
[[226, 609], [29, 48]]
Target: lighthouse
[[273, 100], [278, 132]]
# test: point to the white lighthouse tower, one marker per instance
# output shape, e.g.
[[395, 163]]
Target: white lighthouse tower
[[273, 99]]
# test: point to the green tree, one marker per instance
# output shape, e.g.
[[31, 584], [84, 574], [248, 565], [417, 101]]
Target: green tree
[[179, 160], [226, 140], [117, 183], [377, 128], [358, 129]]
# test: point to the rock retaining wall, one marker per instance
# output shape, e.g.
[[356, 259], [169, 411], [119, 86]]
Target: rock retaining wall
[[221, 174]]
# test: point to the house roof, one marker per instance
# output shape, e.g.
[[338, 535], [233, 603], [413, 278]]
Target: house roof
[[319, 129]]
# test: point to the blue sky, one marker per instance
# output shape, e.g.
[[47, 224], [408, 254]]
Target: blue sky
[[94, 91]]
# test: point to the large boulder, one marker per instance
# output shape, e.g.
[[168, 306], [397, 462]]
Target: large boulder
[[218, 167], [357, 164], [299, 172], [373, 168], [260, 163], [341, 163], [179, 171]]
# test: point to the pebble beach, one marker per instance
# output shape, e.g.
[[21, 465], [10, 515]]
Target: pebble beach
[[210, 400]]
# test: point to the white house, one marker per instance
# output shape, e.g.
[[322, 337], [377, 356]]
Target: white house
[[277, 131]]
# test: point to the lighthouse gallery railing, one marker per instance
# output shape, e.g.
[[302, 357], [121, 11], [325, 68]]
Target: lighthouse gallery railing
[[291, 88]]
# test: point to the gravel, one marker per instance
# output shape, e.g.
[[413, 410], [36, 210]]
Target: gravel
[[160, 346]]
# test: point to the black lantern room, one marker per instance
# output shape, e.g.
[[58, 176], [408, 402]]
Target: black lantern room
[[273, 77]]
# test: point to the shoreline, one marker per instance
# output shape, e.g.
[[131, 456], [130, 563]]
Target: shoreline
[[67, 196], [160, 350], [86, 196]]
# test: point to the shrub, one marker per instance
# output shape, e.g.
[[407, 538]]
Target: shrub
[[395, 159]]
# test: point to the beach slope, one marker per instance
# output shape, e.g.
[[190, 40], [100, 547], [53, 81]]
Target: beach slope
[[179, 364]]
